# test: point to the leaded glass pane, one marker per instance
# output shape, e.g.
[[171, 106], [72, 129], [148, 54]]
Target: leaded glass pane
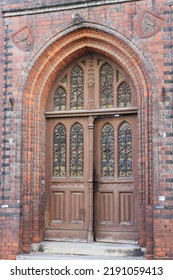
[[106, 86], [76, 150], [77, 88], [60, 99], [124, 95], [125, 150], [107, 151], [59, 151]]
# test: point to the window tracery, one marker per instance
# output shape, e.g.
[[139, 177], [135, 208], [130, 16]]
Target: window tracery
[[107, 151], [76, 150], [59, 151], [77, 88], [106, 86], [60, 99], [125, 150], [124, 95]]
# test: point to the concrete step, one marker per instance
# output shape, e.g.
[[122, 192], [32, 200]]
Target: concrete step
[[74, 250]]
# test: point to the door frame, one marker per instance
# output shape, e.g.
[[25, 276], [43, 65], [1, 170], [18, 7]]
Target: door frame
[[91, 114]]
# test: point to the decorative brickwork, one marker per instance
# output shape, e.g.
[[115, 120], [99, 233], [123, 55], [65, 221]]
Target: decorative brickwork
[[23, 38], [27, 78], [149, 24]]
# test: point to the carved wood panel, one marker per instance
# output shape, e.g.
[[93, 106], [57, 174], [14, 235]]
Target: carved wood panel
[[106, 208], [77, 211], [126, 208], [58, 207]]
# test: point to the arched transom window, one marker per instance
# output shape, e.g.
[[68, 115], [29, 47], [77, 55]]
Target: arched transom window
[[90, 84]]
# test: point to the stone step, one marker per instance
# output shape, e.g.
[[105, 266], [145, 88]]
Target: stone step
[[42, 256], [50, 249]]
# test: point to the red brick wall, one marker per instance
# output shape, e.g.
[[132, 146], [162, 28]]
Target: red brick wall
[[9, 207], [163, 224], [1, 82], [29, 78]]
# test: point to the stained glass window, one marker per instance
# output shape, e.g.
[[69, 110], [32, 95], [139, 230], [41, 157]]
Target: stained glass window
[[107, 151], [76, 150], [124, 95], [106, 86], [77, 88], [60, 99], [59, 151], [125, 150]]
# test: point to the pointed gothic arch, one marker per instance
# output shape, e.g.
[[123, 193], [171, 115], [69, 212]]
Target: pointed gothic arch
[[41, 77]]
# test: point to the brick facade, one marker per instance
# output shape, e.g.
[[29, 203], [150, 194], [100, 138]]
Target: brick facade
[[1, 81], [55, 39]]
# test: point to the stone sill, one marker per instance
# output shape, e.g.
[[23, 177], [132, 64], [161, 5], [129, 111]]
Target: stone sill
[[59, 7]]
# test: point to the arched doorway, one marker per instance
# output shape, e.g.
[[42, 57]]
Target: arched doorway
[[35, 96], [91, 153]]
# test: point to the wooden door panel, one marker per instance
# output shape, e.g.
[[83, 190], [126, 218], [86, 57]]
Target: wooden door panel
[[68, 208], [106, 208], [58, 207], [77, 210], [126, 208], [114, 190], [68, 195]]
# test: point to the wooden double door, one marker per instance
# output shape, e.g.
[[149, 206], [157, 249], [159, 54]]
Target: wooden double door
[[91, 155]]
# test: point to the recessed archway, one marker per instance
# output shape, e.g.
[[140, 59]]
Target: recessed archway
[[68, 46]]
